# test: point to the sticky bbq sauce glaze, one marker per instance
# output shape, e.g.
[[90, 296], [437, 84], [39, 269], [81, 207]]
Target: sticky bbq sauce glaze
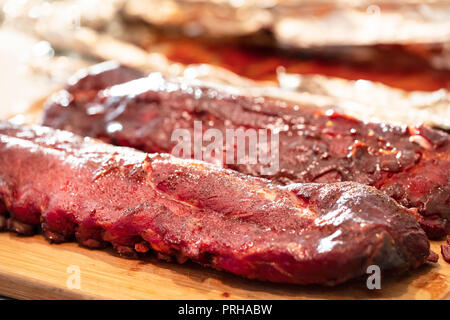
[[398, 66]]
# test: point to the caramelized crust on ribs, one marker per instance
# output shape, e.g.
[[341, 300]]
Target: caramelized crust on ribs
[[407, 68], [410, 164], [81, 188]]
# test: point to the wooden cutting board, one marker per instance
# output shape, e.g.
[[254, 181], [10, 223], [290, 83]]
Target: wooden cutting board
[[31, 268]]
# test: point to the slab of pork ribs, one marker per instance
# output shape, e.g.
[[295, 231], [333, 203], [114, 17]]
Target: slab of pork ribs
[[410, 164], [81, 188]]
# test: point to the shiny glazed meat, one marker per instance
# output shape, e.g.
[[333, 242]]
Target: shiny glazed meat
[[80, 188], [410, 164], [404, 67]]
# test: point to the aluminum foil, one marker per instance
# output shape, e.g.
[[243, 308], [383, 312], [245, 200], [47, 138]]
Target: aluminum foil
[[365, 100], [372, 101], [304, 23], [340, 27]]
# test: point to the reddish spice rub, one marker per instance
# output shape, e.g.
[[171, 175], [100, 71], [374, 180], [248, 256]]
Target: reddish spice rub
[[410, 164], [445, 250], [80, 188], [402, 67]]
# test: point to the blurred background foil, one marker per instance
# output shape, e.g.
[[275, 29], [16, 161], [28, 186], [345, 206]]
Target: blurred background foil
[[376, 60]]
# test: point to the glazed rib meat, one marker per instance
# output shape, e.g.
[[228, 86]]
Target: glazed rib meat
[[410, 164], [83, 189]]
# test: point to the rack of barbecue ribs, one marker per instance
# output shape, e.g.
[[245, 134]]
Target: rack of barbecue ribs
[[410, 164], [98, 194], [407, 67]]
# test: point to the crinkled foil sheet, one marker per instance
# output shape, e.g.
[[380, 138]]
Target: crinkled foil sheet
[[305, 23], [94, 35]]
